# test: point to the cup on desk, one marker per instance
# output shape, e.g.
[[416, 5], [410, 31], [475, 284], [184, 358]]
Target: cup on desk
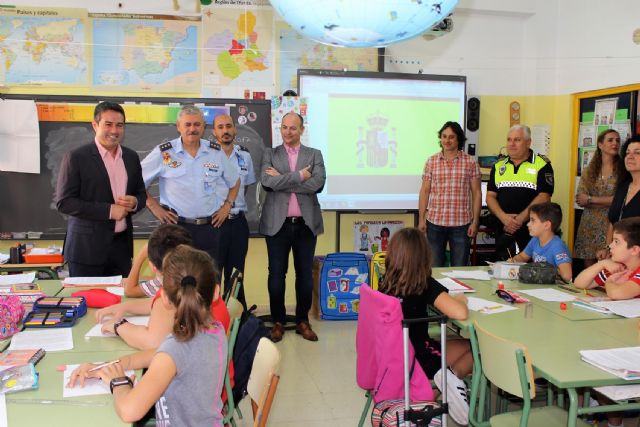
[[14, 255]]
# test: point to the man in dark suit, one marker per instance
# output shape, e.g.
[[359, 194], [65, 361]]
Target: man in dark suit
[[291, 219], [99, 187]]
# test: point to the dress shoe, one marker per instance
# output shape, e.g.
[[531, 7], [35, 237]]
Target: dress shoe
[[304, 329], [277, 332]]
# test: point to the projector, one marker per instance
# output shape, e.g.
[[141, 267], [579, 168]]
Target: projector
[[440, 29]]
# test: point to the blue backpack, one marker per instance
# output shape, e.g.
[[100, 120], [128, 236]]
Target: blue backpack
[[249, 334]]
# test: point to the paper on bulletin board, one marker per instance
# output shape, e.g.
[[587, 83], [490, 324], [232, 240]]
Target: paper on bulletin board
[[541, 139], [586, 154], [373, 236], [281, 105], [605, 111], [575, 193], [624, 130], [19, 136], [587, 136]]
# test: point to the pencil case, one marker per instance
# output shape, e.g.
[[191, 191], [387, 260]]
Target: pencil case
[[18, 378], [77, 304], [60, 318]]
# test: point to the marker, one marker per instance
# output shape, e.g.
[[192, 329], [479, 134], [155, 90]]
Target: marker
[[104, 365]]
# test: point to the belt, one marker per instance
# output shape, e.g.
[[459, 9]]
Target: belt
[[195, 221], [236, 215], [294, 220]]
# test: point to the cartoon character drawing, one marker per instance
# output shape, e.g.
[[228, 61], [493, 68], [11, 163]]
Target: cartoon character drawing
[[365, 240], [384, 238]]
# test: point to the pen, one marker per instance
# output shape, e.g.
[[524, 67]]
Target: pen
[[570, 289], [113, 362]]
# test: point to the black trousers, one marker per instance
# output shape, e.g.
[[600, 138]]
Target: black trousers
[[299, 238], [118, 261], [234, 244], [205, 237]]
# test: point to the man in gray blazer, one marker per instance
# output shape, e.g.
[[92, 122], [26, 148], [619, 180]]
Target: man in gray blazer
[[291, 174]]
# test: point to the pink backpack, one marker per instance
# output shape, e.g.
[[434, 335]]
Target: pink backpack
[[11, 314]]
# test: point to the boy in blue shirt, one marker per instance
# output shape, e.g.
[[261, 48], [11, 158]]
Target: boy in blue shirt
[[546, 245]]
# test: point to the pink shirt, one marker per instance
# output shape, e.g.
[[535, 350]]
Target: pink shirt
[[292, 153], [117, 178]]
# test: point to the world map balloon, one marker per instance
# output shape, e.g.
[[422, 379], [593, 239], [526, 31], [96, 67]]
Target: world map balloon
[[362, 23]]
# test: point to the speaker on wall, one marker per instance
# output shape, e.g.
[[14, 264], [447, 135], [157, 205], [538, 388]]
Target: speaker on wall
[[473, 125]]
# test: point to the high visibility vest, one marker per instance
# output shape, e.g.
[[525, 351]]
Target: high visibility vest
[[526, 177]]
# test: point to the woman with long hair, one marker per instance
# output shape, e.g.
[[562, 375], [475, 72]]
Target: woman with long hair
[[595, 194]]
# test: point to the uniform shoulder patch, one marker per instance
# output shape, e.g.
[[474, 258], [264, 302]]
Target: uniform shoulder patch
[[165, 146], [242, 148], [214, 145]]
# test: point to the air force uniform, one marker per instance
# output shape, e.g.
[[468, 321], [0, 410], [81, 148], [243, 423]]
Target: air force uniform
[[192, 187]]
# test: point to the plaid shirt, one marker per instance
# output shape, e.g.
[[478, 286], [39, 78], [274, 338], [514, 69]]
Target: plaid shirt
[[449, 202]]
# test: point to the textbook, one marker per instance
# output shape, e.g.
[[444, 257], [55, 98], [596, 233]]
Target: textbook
[[455, 285], [622, 362], [21, 357], [91, 282]]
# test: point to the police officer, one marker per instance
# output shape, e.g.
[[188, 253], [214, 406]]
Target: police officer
[[521, 179], [198, 184], [234, 241]]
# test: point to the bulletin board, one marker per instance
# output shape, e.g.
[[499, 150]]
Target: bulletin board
[[593, 112]]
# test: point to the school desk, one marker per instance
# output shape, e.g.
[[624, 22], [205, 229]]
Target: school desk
[[554, 339], [50, 268]]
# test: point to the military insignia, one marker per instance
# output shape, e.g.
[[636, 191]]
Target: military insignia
[[214, 145], [165, 146], [166, 158], [211, 166], [502, 170], [548, 177]]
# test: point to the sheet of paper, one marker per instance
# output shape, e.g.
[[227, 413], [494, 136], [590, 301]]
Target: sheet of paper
[[92, 386], [624, 358], [20, 136], [14, 279], [549, 294], [454, 286], [626, 308], [620, 392], [93, 281], [4, 258], [116, 290], [54, 339], [486, 306], [96, 330], [468, 274]]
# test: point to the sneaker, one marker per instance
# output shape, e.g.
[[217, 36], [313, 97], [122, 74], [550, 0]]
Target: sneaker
[[456, 396]]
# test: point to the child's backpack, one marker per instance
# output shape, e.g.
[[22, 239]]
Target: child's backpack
[[11, 313], [249, 334], [340, 280]]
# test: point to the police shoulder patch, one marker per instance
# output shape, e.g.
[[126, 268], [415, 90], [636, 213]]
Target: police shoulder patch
[[165, 146], [214, 145], [548, 177]]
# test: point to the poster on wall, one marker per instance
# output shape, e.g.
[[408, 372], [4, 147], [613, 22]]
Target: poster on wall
[[624, 130], [370, 237], [586, 154], [587, 135], [281, 105], [605, 111]]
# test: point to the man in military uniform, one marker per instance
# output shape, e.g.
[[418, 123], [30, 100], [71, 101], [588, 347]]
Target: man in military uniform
[[234, 242], [198, 184], [521, 179]]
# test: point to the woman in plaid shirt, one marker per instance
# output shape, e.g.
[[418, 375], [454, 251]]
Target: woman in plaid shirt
[[450, 198]]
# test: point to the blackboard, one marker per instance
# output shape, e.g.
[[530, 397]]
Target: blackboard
[[28, 200]]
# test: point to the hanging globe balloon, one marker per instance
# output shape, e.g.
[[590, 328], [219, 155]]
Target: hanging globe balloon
[[362, 23]]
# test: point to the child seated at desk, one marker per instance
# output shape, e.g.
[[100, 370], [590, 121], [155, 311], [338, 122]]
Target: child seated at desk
[[186, 373], [408, 277], [545, 244], [163, 239], [620, 274]]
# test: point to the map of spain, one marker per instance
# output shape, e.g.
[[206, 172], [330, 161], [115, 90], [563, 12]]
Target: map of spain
[[238, 47]]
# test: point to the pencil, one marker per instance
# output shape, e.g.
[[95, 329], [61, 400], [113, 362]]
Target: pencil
[[102, 365]]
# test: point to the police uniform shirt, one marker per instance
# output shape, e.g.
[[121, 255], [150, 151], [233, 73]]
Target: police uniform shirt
[[517, 186], [194, 187], [241, 160]]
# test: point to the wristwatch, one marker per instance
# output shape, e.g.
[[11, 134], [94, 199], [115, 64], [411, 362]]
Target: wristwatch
[[588, 200], [232, 204], [118, 324], [116, 382]]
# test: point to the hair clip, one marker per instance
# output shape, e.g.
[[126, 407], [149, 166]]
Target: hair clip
[[188, 281]]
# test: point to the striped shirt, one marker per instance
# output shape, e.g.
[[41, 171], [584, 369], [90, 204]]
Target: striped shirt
[[604, 274], [449, 202]]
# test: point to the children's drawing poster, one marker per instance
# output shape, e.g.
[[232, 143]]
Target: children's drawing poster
[[373, 236], [281, 105]]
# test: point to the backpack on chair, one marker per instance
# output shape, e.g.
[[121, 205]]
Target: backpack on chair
[[249, 334]]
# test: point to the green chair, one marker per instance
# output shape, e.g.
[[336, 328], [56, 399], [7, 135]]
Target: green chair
[[236, 284], [507, 365]]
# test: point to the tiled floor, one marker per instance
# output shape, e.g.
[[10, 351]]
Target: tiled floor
[[318, 382]]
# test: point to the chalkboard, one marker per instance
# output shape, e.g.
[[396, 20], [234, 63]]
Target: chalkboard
[[28, 200]]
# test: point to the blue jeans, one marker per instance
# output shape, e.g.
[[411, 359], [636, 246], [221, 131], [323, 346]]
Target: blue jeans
[[459, 244]]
